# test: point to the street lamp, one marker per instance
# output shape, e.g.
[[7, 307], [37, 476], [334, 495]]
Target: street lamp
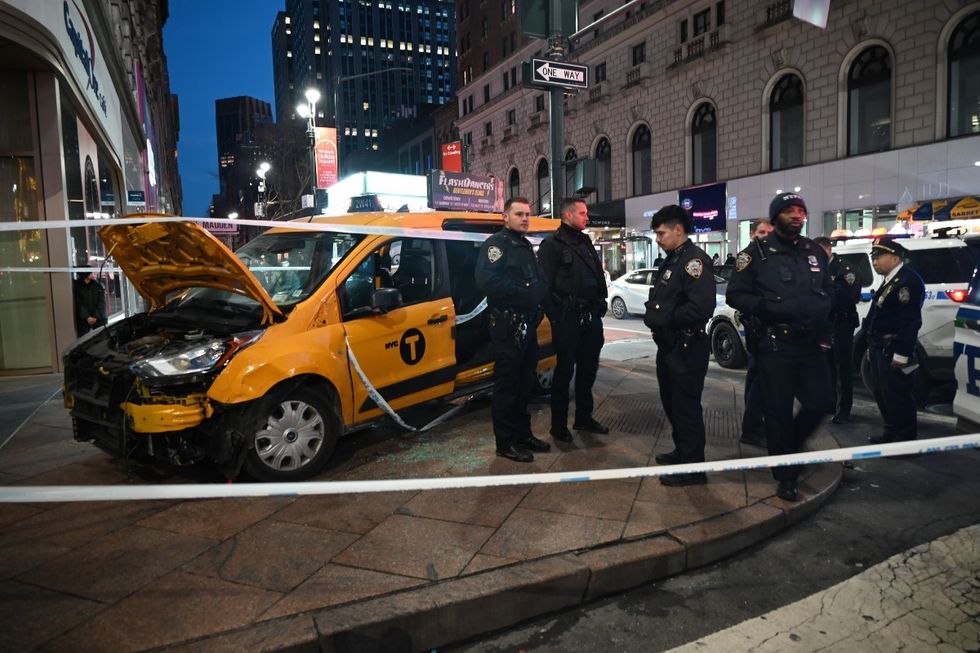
[[233, 215], [308, 111], [263, 168]]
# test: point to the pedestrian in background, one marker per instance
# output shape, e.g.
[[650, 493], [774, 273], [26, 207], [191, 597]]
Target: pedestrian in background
[[680, 304], [753, 419], [844, 320], [892, 328], [90, 310], [578, 301], [782, 282], [508, 272]]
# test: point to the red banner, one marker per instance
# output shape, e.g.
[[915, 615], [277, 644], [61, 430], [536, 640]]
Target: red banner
[[452, 156], [326, 157]]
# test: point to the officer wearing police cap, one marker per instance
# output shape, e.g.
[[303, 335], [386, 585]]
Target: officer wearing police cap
[[681, 303], [891, 329], [508, 272], [781, 284]]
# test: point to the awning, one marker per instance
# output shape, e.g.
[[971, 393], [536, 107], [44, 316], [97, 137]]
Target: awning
[[958, 208]]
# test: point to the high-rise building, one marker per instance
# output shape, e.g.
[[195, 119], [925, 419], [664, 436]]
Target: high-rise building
[[237, 124], [379, 59]]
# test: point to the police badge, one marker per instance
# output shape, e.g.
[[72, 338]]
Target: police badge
[[813, 261], [494, 253], [694, 268], [850, 278], [742, 261], [667, 274], [903, 295]]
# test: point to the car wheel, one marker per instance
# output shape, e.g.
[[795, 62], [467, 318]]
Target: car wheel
[[618, 307], [726, 346], [292, 435]]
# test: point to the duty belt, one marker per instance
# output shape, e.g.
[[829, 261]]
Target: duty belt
[[788, 333], [882, 339]]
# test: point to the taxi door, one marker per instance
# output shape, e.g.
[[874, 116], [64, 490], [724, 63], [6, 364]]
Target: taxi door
[[407, 353]]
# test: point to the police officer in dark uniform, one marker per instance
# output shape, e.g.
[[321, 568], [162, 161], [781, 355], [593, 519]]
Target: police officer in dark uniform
[[844, 320], [781, 284], [578, 300], [681, 303], [508, 272], [891, 329]]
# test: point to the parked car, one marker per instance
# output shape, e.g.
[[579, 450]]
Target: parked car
[[966, 359], [946, 266], [242, 358], [629, 293]]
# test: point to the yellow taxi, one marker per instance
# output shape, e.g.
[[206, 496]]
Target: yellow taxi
[[246, 358]]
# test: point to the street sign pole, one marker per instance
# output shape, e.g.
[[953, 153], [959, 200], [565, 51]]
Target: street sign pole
[[557, 48]]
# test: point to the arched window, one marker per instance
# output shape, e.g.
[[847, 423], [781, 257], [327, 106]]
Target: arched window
[[514, 183], [570, 157], [786, 123], [703, 140], [603, 173], [640, 148], [869, 102], [543, 200], [964, 78]]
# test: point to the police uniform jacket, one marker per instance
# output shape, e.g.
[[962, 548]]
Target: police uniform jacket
[[847, 292], [573, 269], [783, 282], [508, 272], [683, 296], [896, 311]]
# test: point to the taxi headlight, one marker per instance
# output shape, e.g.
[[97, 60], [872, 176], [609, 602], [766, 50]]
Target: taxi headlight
[[199, 358]]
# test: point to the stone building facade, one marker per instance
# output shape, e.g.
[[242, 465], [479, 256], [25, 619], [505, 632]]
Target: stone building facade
[[663, 65]]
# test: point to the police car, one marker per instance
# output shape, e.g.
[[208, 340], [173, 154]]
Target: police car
[[966, 360], [946, 265]]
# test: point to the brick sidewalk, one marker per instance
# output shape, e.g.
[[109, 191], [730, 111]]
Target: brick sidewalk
[[425, 568]]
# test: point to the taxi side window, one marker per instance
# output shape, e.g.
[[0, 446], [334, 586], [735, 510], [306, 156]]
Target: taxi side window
[[861, 264], [407, 264]]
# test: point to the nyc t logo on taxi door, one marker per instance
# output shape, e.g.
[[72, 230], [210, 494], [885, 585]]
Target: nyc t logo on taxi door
[[412, 346]]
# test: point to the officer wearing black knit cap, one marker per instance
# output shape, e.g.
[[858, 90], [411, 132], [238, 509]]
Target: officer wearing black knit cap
[[781, 283], [891, 329]]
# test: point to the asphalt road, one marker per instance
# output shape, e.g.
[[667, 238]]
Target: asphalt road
[[881, 508]]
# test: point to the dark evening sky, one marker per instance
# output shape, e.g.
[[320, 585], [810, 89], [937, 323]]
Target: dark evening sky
[[215, 49]]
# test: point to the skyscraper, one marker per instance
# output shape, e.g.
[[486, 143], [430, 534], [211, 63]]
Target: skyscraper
[[380, 59], [237, 120]]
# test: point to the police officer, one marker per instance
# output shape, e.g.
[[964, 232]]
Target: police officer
[[681, 303], [844, 320], [781, 283], [509, 273], [753, 419], [578, 301], [891, 328]]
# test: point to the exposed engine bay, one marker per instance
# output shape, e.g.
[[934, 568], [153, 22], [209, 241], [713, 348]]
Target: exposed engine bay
[[122, 382]]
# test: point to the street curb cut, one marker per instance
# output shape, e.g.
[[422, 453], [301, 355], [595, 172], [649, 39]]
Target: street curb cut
[[461, 608]]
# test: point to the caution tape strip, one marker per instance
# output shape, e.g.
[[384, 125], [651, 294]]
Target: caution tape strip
[[72, 493], [386, 407]]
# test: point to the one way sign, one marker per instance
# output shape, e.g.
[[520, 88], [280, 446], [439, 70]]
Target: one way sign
[[559, 73]]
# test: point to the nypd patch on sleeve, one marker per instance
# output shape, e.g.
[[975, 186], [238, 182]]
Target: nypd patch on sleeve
[[694, 268], [904, 295], [494, 253], [742, 261]]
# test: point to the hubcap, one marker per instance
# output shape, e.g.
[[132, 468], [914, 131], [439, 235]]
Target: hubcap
[[291, 437]]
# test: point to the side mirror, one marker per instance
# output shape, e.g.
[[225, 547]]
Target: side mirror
[[385, 299]]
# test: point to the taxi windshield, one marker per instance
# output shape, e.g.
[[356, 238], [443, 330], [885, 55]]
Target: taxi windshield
[[290, 265]]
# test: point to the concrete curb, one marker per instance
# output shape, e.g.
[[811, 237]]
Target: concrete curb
[[460, 608]]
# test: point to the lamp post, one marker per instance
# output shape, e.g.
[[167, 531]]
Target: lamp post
[[260, 203], [336, 93], [308, 111]]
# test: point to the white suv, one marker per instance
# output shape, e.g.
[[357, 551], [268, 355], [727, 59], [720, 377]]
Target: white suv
[[946, 266]]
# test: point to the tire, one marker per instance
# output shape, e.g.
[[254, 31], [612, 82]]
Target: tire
[[292, 435], [922, 382], [618, 307], [727, 348]]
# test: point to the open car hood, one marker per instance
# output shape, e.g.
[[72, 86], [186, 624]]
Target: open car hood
[[163, 257]]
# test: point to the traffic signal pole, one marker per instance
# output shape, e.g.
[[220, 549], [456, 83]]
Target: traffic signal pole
[[557, 50]]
